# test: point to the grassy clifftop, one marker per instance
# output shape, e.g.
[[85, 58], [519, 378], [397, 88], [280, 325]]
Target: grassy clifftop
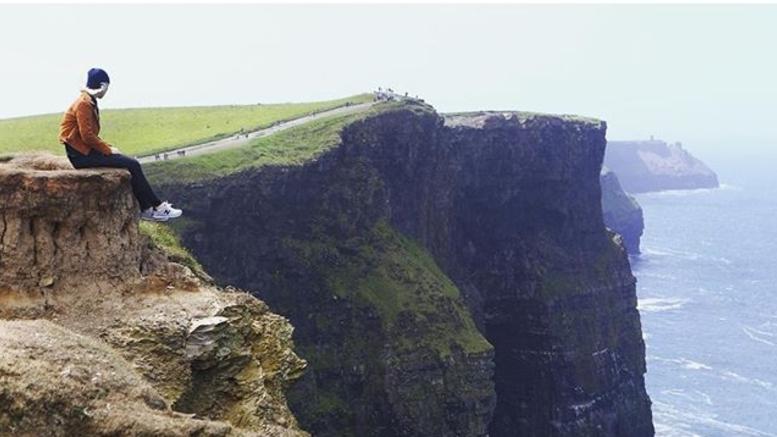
[[148, 130], [294, 146]]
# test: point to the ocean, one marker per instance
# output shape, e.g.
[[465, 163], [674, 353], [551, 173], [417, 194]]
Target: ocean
[[707, 290]]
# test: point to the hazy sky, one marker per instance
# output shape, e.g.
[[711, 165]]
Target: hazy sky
[[702, 74]]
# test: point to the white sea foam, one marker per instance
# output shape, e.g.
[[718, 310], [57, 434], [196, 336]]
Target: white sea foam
[[724, 260], [684, 192], [757, 335], [729, 187], [695, 396], [671, 421], [695, 365], [760, 332], [733, 376], [662, 277], [656, 252], [683, 362], [704, 396], [665, 251], [672, 430], [656, 304]]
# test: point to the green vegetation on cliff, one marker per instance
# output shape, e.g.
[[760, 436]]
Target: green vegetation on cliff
[[396, 278], [148, 130], [383, 277], [166, 239]]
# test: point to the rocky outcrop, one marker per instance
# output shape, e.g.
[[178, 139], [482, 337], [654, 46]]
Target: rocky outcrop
[[654, 165], [57, 383], [101, 334], [621, 211], [53, 237], [373, 248]]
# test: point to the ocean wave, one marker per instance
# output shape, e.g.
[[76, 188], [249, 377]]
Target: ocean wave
[[665, 251], [656, 304], [733, 376], [727, 187], [653, 252], [671, 430], [705, 397], [758, 335], [671, 421], [695, 396], [657, 276], [685, 192], [683, 362]]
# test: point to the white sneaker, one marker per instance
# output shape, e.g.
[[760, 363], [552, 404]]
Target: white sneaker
[[162, 213]]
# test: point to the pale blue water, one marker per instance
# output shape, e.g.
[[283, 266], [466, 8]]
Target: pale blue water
[[707, 288]]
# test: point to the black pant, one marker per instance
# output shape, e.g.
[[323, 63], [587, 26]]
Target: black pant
[[140, 186]]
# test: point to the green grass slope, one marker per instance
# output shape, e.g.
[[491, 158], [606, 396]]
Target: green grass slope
[[149, 130], [293, 146]]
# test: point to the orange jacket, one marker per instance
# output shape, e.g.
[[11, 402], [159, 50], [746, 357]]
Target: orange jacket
[[80, 126]]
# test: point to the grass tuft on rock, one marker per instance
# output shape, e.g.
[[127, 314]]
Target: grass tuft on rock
[[165, 238]]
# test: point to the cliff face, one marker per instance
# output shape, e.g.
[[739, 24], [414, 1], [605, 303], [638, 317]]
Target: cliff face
[[373, 250], [655, 165], [391, 345], [102, 334], [621, 211]]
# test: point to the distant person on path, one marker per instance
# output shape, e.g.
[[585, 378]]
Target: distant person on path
[[79, 132]]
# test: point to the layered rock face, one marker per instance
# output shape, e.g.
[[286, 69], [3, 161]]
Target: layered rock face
[[368, 248], [52, 235], [654, 165], [101, 334], [621, 211]]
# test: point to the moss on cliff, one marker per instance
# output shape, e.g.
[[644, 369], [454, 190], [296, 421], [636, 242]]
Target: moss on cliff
[[394, 276], [399, 317]]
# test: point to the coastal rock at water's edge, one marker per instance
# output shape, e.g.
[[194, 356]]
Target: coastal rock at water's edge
[[621, 211]]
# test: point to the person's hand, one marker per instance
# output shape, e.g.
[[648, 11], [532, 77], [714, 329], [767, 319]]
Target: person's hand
[[115, 150]]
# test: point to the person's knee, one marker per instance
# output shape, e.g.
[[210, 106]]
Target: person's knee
[[131, 164]]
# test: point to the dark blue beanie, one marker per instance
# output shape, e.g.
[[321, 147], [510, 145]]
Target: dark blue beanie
[[95, 77]]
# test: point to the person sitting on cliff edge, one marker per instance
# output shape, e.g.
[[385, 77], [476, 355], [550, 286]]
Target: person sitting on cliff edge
[[79, 132]]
